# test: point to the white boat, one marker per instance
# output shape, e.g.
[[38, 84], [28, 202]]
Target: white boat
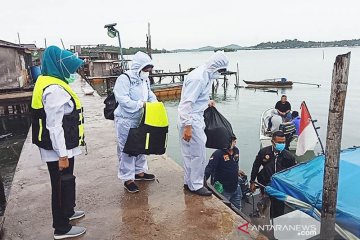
[[265, 136]]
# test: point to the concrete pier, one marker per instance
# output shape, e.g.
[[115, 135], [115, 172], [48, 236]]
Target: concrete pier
[[161, 210]]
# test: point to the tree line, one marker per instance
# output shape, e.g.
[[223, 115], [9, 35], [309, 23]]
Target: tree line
[[310, 44]]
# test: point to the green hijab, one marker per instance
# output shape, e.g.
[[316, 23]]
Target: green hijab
[[59, 63]]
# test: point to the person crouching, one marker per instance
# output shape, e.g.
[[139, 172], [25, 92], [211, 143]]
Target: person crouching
[[223, 168]]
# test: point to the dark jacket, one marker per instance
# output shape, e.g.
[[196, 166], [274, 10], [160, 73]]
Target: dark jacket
[[224, 168], [266, 158]]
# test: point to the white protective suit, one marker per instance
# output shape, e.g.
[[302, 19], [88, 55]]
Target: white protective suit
[[276, 121], [194, 100], [131, 95]]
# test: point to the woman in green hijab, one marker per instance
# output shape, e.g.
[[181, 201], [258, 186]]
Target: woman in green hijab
[[58, 132]]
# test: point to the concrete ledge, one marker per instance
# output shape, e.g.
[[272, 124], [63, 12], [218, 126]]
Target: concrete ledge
[[161, 210]]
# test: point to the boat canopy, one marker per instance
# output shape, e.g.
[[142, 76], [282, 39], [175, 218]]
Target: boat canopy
[[301, 186]]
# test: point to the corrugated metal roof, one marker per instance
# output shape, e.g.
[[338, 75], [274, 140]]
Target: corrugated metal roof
[[18, 46], [9, 44]]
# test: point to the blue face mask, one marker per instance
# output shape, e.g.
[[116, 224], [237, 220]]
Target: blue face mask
[[280, 146]]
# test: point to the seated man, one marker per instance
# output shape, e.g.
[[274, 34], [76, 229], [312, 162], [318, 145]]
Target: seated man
[[296, 120], [283, 108], [223, 168], [274, 121]]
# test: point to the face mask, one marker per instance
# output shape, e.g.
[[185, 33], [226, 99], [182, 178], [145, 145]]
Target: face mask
[[144, 75], [71, 78], [280, 146]]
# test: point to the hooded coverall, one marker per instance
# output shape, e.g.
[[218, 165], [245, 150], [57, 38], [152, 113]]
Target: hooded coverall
[[131, 95], [194, 101]]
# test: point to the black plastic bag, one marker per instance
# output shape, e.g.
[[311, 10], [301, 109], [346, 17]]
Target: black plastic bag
[[218, 130]]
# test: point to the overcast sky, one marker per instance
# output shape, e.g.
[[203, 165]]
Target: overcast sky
[[179, 24]]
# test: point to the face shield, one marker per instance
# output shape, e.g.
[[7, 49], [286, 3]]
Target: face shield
[[67, 65]]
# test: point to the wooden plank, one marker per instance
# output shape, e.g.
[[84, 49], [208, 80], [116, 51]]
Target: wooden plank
[[15, 95]]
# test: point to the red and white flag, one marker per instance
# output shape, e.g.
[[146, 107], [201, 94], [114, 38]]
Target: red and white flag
[[307, 139]]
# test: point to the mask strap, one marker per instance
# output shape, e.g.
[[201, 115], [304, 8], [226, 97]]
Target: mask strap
[[63, 65]]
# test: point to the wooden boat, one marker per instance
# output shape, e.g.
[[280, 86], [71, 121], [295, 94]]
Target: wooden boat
[[167, 91], [270, 83]]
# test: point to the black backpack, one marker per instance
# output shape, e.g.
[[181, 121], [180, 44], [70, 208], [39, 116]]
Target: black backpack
[[111, 104]]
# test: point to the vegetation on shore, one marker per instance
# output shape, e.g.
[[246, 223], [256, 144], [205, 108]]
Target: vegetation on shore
[[301, 44]]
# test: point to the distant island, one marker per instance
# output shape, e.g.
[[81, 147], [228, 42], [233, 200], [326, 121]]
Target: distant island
[[310, 44], [285, 44], [228, 48]]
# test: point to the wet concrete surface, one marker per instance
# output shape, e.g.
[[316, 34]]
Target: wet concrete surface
[[161, 210]]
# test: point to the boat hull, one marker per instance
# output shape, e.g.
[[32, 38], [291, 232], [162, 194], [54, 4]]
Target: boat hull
[[268, 84], [167, 91]]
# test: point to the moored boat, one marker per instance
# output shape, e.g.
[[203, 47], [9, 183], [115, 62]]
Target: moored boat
[[302, 186], [270, 83], [167, 91]]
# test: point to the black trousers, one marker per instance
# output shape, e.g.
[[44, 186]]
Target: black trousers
[[59, 212], [277, 208], [2, 195]]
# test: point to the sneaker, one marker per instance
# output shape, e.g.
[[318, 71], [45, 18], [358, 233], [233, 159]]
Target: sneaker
[[77, 215], [74, 232], [203, 192], [145, 177], [131, 187], [186, 187]]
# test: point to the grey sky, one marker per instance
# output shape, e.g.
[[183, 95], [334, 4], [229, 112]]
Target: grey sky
[[179, 24]]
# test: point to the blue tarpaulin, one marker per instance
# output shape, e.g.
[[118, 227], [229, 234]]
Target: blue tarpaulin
[[304, 182]]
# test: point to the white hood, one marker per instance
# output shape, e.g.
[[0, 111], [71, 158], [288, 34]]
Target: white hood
[[140, 60], [217, 61]]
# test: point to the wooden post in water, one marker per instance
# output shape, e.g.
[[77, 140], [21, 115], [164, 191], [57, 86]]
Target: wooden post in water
[[237, 74], [333, 145], [148, 42]]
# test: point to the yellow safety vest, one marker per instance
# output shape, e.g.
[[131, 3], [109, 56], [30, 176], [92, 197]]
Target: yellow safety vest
[[73, 124], [151, 136]]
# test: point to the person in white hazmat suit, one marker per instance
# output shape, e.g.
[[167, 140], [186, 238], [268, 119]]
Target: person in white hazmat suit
[[194, 100], [132, 93]]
